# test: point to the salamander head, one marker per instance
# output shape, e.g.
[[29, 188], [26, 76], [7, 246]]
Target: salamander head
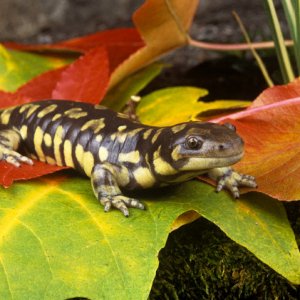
[[196, 146]]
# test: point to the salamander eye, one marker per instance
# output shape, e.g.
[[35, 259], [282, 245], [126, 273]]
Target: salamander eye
[[193, 143]]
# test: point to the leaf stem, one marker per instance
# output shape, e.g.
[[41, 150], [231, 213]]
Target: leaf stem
[[234, 47]]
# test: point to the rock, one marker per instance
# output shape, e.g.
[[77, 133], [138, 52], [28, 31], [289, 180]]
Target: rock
[[47, 21]]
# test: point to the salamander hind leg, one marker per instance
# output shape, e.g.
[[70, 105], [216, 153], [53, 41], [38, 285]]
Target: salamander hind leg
[[9, 143], [107, 191], [227, 177]]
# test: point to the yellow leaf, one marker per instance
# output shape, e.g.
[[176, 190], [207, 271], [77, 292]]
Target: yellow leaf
[[175, 105]]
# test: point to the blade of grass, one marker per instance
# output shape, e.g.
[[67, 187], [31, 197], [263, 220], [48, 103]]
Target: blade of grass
[[292, 16], [282, 54], [259, 61], [297, 34], [289, 11]]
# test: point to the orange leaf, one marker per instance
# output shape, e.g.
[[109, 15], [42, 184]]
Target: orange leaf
[[278, 93], [272, 138], [163, 25]]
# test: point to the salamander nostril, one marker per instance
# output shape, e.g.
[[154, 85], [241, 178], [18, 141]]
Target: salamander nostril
[[221, 147]]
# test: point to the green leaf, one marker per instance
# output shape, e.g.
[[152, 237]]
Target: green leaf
[[57, 243], [16, 67], [174, 105], [117, 97]]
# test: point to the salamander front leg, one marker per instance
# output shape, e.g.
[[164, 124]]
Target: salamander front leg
[[9, 142], [227, 177], [107, 191]]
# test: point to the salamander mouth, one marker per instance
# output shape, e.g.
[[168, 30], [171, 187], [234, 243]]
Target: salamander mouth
[[232, 158], [205, 163], [229, 157], [223, 161]]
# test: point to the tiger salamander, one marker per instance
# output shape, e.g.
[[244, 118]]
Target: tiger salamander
[[117, 153]]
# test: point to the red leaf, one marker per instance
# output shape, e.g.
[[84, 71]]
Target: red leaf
[[86, 79], [120, 44], [9, 173], [12, 99], [38, 88], [41, 87], [272, 137]]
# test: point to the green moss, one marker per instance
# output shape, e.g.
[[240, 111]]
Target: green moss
[[201, 262]]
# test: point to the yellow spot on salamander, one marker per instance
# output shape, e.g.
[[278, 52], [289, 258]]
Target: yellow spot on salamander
[[75, 113], [96, 125], [103, 153], [57, 141], [5, 116], [23, 132], [99, 138], [33, 156], [121, 138], [175, 153], [50, 160], [79, 154], [56, 117], [47, 139], [147, 133], [134, 132], [123, 176], [99, 106], [37, 140], [123, 116], [24, 107], [47, 110], [72, 110], [130, 157], [78, 115], [68, 153], [88, 162], [161, 166], [144, 177], [155, 136], [178, 128], [31, 110], [122, 128]]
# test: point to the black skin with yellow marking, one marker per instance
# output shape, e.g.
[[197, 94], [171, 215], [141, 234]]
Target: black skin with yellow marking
[[118, 153]]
